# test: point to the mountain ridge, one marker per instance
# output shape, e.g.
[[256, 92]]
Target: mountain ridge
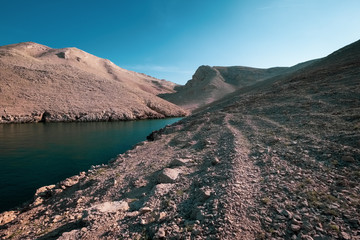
[[209, 84]]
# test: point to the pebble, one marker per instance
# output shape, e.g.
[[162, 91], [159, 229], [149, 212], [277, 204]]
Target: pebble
[[295, 227], [161, 216], [161, 233], [345, 235], [348, 159], [179, 162], [145, 210], [287, 213]]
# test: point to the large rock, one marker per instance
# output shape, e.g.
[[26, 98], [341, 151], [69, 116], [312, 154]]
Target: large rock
[[44, 191], [111, 207], [69, 182], [168, 175]]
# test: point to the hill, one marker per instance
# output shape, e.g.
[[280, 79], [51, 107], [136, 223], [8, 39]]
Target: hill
[[39, 83], [209, 84], [276, 160]]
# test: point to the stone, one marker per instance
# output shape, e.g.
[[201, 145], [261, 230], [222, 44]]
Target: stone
[[179, 162], [38, 201], [168, 175], [145, 210], [204, 194], [160, 233], [69, 182], [295, 228], [348, 159], [68, 235], [161, 216], [345, 236], [306, 237], [287, 213], [268, 220], [44, 191], [108, 207], [215, 161], [56, 218]]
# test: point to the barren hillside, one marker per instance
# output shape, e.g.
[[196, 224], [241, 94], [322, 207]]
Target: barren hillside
[[41, 83], [209, 84], [279, 160]]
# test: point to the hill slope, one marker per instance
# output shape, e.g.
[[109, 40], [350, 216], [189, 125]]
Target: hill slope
[[72, 85], [209, 84]]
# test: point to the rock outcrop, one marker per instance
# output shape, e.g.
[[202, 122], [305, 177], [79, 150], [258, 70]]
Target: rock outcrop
[[38, 83]]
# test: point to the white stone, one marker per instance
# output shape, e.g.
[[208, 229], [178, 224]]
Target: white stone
[[168, 175], [111, 206]]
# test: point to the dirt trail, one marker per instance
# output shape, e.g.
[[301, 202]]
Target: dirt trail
[[243, 188]]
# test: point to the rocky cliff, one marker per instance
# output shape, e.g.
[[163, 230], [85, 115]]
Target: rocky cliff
[[38, 83]]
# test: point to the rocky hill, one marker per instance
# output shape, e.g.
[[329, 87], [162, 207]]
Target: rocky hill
[[276, 160], [209, 84], [40, 83]]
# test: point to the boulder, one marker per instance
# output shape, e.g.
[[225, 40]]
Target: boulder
[[179, 162], [108, 207], [168, 175], [44, 191], [69, 182]]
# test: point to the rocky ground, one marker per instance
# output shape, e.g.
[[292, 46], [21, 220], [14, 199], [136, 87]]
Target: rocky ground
[[276, 161]]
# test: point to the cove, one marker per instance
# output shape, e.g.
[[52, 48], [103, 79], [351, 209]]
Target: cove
[[39, 154]]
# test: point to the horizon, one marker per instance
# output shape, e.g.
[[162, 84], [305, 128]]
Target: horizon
[[171, 39]]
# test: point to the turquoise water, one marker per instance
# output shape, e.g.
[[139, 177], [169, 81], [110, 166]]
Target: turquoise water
[[34, 155]]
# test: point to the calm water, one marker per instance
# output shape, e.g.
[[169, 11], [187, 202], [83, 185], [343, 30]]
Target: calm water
[[34, 155]]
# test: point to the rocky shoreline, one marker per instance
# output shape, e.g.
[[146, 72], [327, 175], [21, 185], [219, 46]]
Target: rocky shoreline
[[214, 175], [104, 116]]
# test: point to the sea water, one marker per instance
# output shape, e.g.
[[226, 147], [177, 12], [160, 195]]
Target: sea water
[[39, 154]]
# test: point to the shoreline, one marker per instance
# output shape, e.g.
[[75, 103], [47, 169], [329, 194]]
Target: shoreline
[[46, 117], [121, 145]]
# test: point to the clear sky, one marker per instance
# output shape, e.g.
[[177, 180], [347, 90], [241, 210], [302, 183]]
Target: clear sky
[[170, 39]]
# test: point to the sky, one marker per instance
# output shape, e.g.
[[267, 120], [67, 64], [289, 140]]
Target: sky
[[170, 39]]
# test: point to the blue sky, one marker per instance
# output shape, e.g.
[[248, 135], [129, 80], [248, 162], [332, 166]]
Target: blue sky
[[170, 39]]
